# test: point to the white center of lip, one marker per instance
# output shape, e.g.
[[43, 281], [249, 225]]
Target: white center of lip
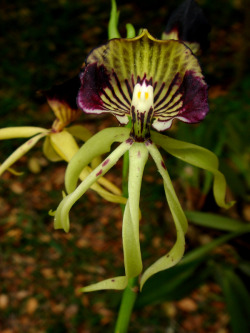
[[143, 97]]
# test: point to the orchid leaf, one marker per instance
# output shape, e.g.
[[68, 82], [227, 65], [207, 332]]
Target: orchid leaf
[[20, 132], [237, 300], [199, 157], [113, 31], [62, 214], [175, 283], [176, 253], [97, 145], [19, 152], [215, 221]]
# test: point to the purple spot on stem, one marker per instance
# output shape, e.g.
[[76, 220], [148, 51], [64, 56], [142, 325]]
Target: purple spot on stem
[[105, 162], [113, 280], [163, 165], [99, 173], [139, 153]]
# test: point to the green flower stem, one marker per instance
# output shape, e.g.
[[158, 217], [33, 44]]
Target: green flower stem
[[126, 307]]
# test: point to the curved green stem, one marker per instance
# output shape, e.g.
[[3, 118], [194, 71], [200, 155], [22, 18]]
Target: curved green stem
[[126, 307]]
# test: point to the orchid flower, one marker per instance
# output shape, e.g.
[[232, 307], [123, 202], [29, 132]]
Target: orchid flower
[[148, 83], [60, 143]]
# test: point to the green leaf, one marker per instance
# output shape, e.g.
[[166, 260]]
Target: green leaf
[[180, 280], [237, 300], [172, 284], [215, 221]]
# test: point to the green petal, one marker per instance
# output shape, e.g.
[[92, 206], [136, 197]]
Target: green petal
[[19, 152], [176, 253], [20, 132], [62, 214], [199, 157], [97, 145]]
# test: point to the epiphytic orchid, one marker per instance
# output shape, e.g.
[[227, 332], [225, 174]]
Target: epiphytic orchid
[[147, 83], [60, 143]]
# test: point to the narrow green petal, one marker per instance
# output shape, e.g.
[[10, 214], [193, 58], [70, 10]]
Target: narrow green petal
[[199, 157], [19, 152], [177, 251], [113, 31], [97, 145], [49, 151], [119, 283], [20, 132], [62, 214]]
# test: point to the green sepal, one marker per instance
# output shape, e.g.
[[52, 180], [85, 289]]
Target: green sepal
[[21, 151], [61, 220], [130, 30], [113, 31], [177, 251], [20, 132], [97, 145], [198, 156], [119, 283]]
